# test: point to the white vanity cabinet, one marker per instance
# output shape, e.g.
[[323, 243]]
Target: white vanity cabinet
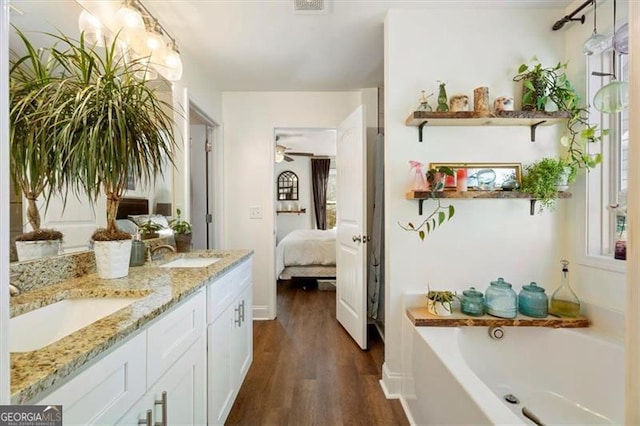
[[230, 339], [168, 355]]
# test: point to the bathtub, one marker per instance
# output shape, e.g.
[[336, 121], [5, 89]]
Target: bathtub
[[459, 375]]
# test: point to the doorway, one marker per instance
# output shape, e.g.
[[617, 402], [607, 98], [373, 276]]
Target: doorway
[[202, 143]]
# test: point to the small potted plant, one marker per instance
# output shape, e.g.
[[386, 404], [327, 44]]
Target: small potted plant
[[150, 230], [439, 302], [182, 231], [544, 178]]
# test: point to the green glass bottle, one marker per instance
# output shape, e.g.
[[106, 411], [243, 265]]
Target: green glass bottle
[[564, 302], [442, 99]]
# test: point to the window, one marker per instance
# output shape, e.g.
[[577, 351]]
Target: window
[[607, 181], [331, 199]]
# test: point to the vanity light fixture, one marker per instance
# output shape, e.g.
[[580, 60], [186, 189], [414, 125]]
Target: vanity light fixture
[[142, 34]]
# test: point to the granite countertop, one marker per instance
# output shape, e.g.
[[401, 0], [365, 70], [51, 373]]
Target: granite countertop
[[158, 288]]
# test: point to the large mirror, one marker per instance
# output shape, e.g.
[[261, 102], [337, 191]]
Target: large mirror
[[77, 220]]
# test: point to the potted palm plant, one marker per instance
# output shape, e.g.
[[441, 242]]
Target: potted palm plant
[[120, 128], [182, 233], [37, 107]]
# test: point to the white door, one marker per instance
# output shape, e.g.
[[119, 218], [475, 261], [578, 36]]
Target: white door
[[351, 253]]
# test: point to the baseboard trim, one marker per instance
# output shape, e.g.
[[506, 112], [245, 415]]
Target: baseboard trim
[[407, 412], [390, 383], [261, 313]]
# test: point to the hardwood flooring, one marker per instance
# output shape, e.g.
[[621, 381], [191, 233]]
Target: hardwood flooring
[[307, 371]]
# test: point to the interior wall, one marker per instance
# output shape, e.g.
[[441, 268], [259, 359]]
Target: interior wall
[[249, 120], [287, 222], [485, 239], [597, 280], [4, 202]]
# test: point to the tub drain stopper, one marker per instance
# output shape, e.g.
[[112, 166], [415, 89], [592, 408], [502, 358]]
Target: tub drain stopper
[[511, 399]]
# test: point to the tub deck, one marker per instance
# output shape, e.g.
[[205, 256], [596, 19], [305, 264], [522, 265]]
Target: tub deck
[[421, 317]]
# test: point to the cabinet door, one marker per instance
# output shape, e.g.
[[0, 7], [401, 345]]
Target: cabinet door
[[173, 333], [242, 346], [220, 375], [101, 393], [186, 393]]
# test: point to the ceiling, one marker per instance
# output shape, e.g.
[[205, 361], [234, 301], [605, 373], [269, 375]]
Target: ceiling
[[263, 45]]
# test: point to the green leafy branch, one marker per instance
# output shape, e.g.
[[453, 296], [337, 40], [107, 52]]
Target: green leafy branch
[[437, 217]]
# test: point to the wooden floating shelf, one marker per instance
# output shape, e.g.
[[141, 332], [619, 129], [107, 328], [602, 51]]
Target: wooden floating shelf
[[299, 212], [531, 119], [477, 195], [421, 317]]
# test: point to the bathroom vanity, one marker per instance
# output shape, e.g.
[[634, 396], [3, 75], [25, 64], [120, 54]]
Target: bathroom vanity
[[178, 353]]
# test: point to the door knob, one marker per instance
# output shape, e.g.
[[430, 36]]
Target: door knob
[[356, 238]]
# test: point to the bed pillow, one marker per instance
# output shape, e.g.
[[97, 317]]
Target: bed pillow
[[125, 225], [139, 219]]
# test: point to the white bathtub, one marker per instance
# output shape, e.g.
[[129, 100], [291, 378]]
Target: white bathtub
[[459, 375]]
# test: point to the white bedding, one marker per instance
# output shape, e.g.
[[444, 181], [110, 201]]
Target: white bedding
[[306, 247]]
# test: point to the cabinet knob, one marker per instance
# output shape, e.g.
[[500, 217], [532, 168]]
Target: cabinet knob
[[163, 403], [148, 421]]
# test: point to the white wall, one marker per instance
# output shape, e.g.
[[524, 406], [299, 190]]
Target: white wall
[[249, 119], [600, 281], [4, 203], [486, 239], [287, 222]]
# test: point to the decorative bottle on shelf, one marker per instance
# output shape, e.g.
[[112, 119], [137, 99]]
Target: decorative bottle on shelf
[[442, 98], [564, 301]]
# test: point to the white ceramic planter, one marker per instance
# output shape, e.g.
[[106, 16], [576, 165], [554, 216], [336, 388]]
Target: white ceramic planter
[[562, 184], [29, 250], [112, 258], [438, 308]]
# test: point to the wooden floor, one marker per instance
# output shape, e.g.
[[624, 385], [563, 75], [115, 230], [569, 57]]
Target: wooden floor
[[307, 371]]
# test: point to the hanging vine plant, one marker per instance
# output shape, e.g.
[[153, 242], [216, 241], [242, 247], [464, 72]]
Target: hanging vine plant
[[440, 213]]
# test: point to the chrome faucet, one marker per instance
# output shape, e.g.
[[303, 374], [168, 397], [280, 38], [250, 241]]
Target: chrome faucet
[[153, 250]]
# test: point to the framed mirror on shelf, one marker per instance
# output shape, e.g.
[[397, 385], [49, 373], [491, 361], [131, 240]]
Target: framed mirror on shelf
[[485, 176], [287, 186]]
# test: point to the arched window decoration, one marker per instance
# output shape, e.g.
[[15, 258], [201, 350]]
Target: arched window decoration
[[287, 186]]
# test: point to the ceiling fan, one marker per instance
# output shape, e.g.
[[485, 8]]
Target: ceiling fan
[[283, 153]]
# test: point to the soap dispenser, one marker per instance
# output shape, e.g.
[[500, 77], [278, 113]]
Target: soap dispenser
[[564, 302], [138, 251]]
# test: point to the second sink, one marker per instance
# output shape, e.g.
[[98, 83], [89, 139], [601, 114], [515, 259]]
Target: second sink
[[191, 262]]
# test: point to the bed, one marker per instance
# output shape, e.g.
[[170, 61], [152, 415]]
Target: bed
[[306, 253], [133, 212]]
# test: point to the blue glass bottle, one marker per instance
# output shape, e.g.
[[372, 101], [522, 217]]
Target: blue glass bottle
[[500, 300], [472, 303], [532, 301]]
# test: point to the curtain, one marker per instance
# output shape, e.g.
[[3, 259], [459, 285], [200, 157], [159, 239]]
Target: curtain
[[319, 179], [375, 276]]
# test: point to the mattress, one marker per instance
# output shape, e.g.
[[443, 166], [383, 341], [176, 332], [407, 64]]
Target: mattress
[[306, 247]]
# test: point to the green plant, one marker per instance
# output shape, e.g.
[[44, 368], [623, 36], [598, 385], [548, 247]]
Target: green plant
[[180, 226], [38, 105], [542, 85], [445, 297], [119, 128], [541, 178], [439, 214], [150, 227]]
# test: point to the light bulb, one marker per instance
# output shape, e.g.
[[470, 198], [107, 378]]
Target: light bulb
[[612, 97], [172, 63], [129, 24], [92, 29]]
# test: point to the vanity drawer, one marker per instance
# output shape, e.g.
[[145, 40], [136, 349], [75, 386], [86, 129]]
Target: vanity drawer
[[173, 335], [224, 289], [102, 392]]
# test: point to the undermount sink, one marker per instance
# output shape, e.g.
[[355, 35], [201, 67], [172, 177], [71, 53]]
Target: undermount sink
[[41, 327], [191, 262]]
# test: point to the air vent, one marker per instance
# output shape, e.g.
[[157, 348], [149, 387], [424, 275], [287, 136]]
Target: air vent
[[310, 6]]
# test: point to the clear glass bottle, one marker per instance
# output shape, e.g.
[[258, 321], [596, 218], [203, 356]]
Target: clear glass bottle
[[564, 301]]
